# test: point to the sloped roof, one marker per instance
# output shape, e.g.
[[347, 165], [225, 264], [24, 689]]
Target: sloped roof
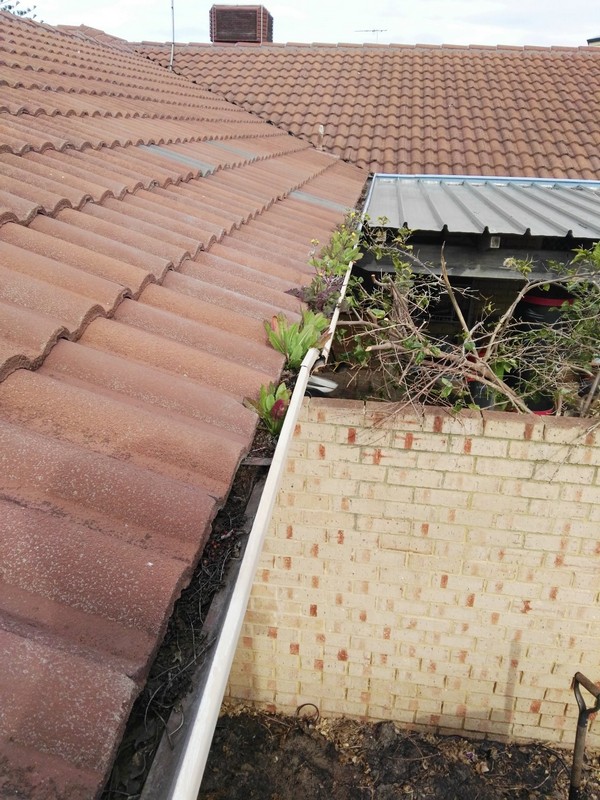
[[146, 230], [506, 111]]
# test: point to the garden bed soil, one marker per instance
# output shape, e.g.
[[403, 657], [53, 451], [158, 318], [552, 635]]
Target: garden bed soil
[[261, 756]]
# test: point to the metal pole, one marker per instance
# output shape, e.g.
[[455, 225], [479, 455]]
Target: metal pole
[[172, 35]]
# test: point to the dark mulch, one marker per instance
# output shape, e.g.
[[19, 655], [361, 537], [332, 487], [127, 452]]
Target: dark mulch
[[260, 756]]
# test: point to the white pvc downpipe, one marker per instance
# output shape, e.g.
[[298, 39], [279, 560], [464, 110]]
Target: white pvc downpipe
[[197, 746]]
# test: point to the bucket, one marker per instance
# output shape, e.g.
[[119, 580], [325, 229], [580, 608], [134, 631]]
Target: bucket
[[542, 308]]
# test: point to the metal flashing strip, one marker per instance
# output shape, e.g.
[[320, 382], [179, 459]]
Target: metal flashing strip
[[389, 177], [204, 167], [318, 201]]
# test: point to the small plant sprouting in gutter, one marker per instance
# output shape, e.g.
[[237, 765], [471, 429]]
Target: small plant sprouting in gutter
[[295, 339], [271, 406]]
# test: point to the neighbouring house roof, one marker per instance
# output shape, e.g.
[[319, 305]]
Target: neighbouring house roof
[[525, 112], [147, 228], [493, 205]]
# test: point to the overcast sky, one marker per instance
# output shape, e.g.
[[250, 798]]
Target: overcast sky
[[510, 22]]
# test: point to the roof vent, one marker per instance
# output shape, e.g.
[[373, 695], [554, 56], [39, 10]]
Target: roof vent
[[241, 24]]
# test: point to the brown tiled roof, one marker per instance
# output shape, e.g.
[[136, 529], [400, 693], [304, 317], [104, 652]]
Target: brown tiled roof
[[529, 111], [146, 230]]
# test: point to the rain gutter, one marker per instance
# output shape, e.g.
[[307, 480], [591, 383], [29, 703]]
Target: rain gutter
[[196, 747]]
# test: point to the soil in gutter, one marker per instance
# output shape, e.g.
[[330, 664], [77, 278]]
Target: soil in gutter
[[187, 644]]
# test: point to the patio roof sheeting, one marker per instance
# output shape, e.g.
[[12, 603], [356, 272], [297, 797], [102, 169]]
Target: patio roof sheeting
[[492, 205]]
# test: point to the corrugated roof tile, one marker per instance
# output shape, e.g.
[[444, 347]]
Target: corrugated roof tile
[[286, 83], [122, 381]]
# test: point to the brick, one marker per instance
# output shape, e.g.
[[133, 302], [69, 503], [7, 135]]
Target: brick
[[313, 432], [564, 473], [512, 426], [500, 504], [465, 423], [549, 542], [532, 733], [445, 562], [450, 722], [376, 492], [518, 589], [471, 484], [332, 486], [544, 707], [360, 472], [428, 443], [490, 569], [425, 706], [581, 494], [536, 451], [554, 575], [477, 445], [565, 430], [495, 730], [538, 490], [504, 467], [332, 452], [441, 497], [334, 411], [414, 477], [302, 466]]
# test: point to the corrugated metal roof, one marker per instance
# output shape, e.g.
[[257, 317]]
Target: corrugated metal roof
[[132, 294], [493, 205]]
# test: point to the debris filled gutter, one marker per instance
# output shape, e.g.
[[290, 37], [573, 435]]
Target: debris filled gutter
[[196, 747]]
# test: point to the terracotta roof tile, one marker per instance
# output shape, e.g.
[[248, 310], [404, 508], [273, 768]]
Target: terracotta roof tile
[[180, 396], [221, 298], [158, 442], [66, 227], [33, 240], [56, 475], [121, 414], [34, 745], [139, 337], [301, 86], [72, 310], [232, 277]]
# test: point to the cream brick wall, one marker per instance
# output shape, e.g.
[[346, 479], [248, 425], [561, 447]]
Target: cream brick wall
[[436, 570]]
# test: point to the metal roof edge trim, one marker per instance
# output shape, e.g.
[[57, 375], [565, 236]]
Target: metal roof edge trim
[[486, 178]]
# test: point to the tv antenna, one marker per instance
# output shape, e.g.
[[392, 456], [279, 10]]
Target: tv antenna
[[376, 31]]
